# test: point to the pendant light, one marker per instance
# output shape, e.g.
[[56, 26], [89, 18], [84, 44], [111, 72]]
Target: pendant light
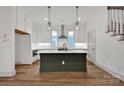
[[49, 19], [77, 21]]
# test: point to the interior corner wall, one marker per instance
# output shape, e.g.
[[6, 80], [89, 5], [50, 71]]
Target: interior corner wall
[[7, 41]]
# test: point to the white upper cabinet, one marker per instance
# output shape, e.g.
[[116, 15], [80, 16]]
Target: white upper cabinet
[[23, 20], [28, 24], [20, 19]]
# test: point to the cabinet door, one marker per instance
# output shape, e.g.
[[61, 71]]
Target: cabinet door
[[28, 24], [92, 46], [34, 34], [20, 19]]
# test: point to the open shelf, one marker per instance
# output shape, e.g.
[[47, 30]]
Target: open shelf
[[21, 32]]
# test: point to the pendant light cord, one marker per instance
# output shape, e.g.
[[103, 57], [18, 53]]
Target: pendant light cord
[[49, 19], [77, 22]]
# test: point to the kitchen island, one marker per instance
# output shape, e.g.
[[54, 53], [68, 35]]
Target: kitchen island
[[63, 61]]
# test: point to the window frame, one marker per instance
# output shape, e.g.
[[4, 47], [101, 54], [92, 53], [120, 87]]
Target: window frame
[[73, 36], [51, 39]]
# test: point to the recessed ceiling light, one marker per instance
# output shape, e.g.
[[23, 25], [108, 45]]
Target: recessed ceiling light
[[45, 19]]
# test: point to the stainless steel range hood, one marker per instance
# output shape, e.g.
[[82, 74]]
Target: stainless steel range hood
[[62, 36]]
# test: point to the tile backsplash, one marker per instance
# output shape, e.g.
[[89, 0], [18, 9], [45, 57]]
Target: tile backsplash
[[48, 46], [61, 42]]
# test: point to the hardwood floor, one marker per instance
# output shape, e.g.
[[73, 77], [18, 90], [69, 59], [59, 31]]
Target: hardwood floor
[[29, 75]]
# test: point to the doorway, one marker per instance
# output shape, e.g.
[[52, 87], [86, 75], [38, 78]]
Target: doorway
[[91, 38]]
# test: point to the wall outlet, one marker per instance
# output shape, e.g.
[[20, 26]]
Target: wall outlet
[[63, 62]]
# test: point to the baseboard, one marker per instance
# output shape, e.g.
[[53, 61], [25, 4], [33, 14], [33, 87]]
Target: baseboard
[[117, 75], [21, 63], [18, 62], [7, 74]]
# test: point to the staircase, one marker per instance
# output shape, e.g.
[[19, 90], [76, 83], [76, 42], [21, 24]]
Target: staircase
[[115, 25]]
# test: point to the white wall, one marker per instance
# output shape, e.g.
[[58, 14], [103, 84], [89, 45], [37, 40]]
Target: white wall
[[112, 54], [109, 51], [7, 46]]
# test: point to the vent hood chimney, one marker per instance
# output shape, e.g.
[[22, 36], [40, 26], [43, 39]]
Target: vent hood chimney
[[62, 36]]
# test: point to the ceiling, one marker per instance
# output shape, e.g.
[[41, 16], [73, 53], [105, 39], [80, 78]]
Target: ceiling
[[60, 14]]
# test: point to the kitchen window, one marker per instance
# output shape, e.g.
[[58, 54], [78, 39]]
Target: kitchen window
[[71, 39], [54, 39]]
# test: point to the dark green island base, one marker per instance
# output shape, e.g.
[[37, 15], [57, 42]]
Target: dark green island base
[[63, 62]]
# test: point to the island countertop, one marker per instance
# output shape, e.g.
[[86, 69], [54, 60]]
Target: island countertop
[[61, 51]]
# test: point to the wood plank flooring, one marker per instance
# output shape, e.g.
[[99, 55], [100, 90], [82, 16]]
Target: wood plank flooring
[[29, 75]]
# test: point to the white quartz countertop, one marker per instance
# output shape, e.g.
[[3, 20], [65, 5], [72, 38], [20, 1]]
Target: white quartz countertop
[[62, 51]]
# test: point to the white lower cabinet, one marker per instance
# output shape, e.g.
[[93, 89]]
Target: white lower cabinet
[[23, 53]]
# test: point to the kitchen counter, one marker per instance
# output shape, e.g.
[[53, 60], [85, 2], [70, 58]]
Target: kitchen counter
[[63, 51]]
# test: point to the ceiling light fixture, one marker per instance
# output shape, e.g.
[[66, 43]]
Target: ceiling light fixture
[[77, 19]]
